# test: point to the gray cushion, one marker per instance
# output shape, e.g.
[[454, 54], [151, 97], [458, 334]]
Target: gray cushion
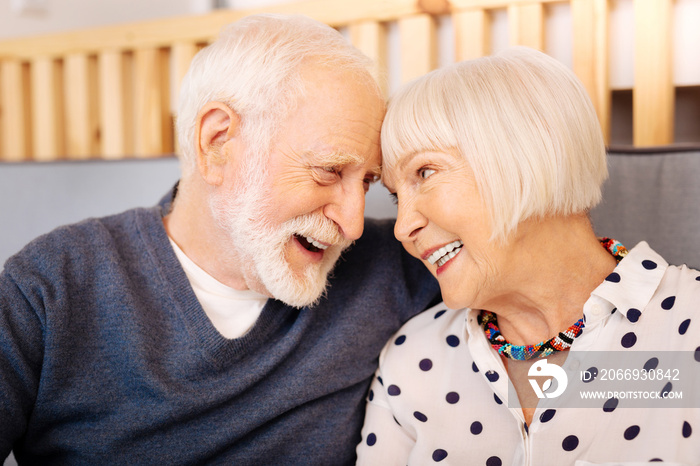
[[653, 195]]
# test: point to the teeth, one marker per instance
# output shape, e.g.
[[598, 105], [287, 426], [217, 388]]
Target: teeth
[[316, 243], [445, 253]]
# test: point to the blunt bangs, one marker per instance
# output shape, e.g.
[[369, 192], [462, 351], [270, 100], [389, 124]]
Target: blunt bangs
[[417, 120]]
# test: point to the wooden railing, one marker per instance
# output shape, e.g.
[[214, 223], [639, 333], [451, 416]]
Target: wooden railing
[[106, 92]]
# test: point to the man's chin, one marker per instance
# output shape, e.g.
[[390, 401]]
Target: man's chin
[[298, 288]]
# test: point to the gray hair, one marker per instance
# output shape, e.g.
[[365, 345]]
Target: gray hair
[[522, 121], [255, 68]]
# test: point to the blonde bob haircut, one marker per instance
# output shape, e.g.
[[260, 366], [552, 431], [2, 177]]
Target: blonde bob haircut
[[521, 120]]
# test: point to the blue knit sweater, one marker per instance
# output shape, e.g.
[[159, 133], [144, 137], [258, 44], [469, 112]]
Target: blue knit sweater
[[106, 356]]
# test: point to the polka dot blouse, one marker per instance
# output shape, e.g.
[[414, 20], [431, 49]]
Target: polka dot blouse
[[441, 394]]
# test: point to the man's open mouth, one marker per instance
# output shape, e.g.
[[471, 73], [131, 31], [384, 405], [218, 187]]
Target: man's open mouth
[[310, 243]]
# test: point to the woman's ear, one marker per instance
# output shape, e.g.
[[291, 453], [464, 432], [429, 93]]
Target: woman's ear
[[216, 124]]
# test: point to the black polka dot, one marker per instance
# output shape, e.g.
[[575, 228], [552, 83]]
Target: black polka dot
[[439, 314], [497, 399], [527, 429], [631, 432], [668, 302], [393, 390], [610, 405], [381, 382], [474, 367], [613, 277], [452, 397], [633, 315], [400, 340], [420, 416], [684, 326], [697, 354], [492, 376], [628, 340], [590, 374], [570, 443], [453, 340], [439, 455], [687, 430], [666, 390], [371, 439], [613, 311], [649, 265], [656, 460], [494, 461], [425, 365], [697, 279], [371, 395], [651, 364], [547, 415], [476, 428]]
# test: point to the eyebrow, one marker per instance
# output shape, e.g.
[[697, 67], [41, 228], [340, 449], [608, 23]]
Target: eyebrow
[[404, 161], [346, 158]]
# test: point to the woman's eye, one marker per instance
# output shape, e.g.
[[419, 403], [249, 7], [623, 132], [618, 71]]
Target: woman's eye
[[394, 198], [425, 172]]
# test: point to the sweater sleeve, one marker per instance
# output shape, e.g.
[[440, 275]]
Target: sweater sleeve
[[21, 354]]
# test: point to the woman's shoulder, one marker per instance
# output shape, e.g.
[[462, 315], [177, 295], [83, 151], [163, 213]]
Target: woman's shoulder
[[437, 325]]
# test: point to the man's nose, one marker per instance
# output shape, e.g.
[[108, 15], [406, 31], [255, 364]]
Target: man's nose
[[347, 210]]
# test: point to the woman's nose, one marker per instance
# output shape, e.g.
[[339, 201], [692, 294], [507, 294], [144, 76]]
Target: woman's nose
[[409, 221]]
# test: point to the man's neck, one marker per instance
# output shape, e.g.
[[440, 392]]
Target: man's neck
[[193, 228]]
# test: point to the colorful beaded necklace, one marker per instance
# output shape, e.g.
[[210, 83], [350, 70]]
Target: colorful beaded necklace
[[561, 342]]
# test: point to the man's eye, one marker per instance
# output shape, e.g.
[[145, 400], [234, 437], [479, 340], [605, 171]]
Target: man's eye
[[425, 172], [326, 174]]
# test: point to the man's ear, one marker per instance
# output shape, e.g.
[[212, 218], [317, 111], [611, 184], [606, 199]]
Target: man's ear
[[217, 124]]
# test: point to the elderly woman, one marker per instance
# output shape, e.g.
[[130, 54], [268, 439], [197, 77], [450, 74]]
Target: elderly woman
[[495, 164]]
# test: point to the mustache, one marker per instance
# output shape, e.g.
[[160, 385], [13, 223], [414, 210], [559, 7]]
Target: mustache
[[319, 227]]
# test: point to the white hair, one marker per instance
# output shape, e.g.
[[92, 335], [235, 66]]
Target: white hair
[[522, 121], [254, 67]]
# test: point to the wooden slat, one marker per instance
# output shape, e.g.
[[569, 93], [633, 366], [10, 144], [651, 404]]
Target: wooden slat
[[82, 130], [418, 46], [472, 34], [526, 25], [495, 4], [153, 122], [202, 28], [653, 94], [590, 55], [15, 135], [370, 38], [115, 104], [182, 54], [47, 109]]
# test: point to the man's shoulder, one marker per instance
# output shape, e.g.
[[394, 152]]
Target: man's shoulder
[[77, 241], [377, 249]]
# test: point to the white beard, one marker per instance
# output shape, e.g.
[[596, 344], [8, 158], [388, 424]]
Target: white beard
[[262, 247]]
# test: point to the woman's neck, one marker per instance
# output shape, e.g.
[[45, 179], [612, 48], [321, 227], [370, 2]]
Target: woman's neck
[[556, 265]]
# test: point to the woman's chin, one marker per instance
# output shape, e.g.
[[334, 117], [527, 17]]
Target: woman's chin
[[453, 302]]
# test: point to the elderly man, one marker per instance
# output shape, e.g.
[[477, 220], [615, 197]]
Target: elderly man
[[210, 328]]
